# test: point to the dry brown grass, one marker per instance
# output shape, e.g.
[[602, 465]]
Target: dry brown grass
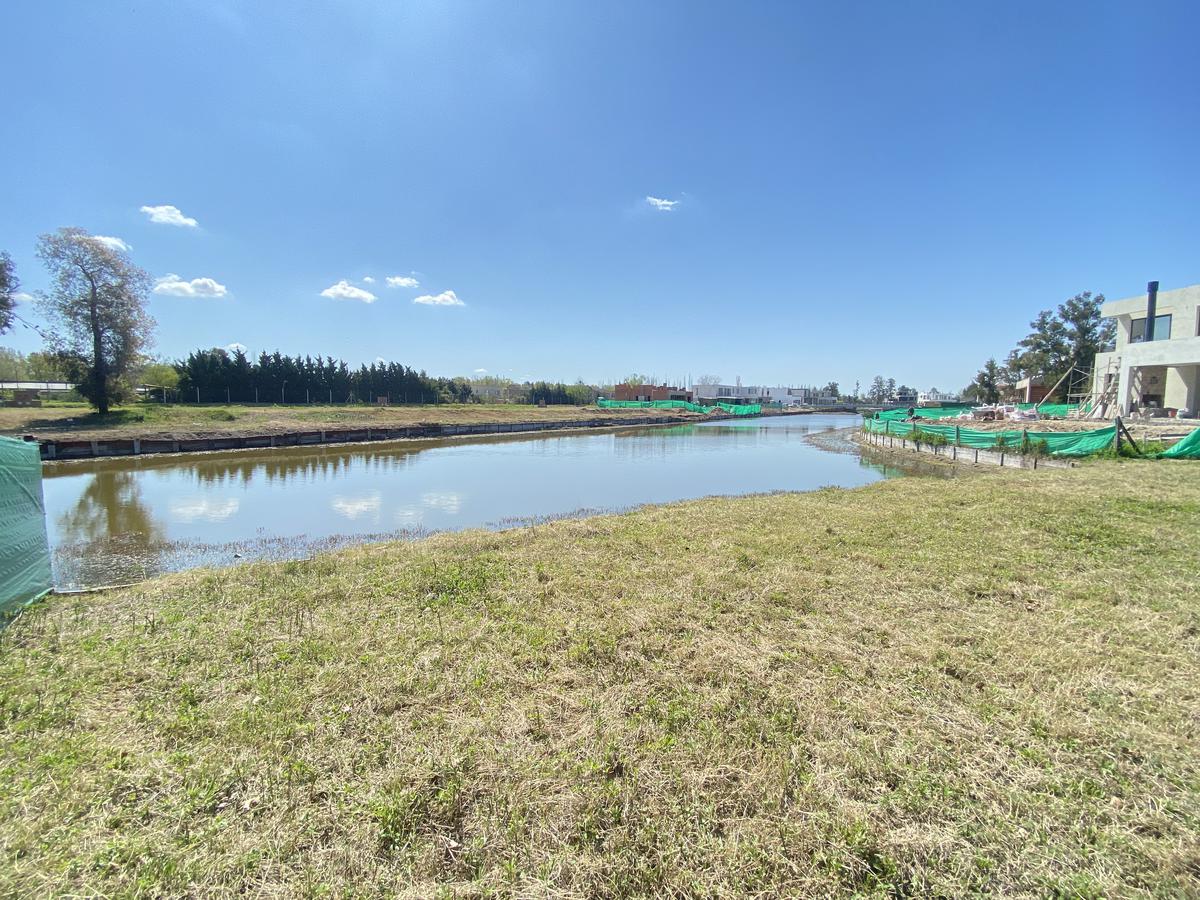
[[982, 685], [77, 422]]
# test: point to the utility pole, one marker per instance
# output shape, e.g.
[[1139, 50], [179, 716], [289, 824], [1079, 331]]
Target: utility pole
[[282, 392]]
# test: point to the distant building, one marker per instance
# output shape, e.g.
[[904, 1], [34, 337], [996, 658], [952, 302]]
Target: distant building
[[650, 392], [903, 397], [1032, 389], [751, 393], [801, 396], [730, 393], [934, 397]]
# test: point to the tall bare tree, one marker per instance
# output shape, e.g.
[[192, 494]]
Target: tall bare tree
[[97, 308]]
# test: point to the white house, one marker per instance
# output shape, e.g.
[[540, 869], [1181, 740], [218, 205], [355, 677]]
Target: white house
[[740, 393], [933, 397], [1162, 372], [799, 396], [728, 393]]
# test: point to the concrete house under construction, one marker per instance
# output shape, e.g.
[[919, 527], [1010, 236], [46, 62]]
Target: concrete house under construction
[[1156, 361]]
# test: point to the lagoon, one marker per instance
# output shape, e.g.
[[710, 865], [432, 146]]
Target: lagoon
[[119, 520]]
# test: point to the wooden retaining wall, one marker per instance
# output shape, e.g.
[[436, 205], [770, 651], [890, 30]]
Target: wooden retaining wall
[[66, 449], [965, 455]]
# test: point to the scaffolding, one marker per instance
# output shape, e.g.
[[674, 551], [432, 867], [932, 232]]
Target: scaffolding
[[1098, 402]]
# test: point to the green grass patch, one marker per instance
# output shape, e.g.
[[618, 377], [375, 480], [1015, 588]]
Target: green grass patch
[[977, 686]]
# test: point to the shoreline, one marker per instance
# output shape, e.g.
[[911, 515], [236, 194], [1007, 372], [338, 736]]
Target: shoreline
[[66, 450], [953, 455], [82, 450]]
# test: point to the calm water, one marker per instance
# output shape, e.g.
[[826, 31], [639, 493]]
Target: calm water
[[123, 519]]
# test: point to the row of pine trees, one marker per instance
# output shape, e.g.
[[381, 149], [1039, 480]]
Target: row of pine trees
[[216, 376]]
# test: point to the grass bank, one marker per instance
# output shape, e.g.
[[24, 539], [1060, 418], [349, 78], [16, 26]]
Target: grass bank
[[985, 684], [150, 420]]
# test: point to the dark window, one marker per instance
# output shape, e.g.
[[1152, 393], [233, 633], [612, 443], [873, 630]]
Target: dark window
[[1162, 329]]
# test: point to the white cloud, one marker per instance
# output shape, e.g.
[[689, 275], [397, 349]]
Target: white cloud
[[379, 360], [22, 297], [174, 286], [445, 298], [112, 243], [168, 215], [404, 281], [662, 205], [344, 290], [235, 347], [481, 371], [367, 279]]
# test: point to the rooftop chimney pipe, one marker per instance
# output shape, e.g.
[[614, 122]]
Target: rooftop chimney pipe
[[1151, 309]]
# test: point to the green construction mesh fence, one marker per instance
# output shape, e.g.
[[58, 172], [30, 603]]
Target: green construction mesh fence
[[950, 410], [1056, 443], [24, 550], [1188, 448], [736, 409]]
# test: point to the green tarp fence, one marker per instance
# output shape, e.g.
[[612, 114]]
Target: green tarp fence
[[1050, 410], [24, 550], [1057, 443], [1188, 448], [925, 412], [736, 409]]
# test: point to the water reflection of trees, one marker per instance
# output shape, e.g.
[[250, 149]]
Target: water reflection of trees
[[110, 504], [244, 467], [102, 538], [660, 442], [298, 463]]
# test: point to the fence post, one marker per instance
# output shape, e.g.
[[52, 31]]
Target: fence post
[[1117, 435]]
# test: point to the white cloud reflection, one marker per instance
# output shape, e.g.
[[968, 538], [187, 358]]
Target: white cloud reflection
[[189, 509], [356, 507], [446, 502]]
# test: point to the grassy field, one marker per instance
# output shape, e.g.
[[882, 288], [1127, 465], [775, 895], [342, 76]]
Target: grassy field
[[979, 685], [77, 421]]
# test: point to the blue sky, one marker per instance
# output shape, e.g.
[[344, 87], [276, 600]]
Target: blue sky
[[858, 188]]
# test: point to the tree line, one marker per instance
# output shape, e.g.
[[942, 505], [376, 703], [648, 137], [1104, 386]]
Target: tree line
[[217, 376], [1061, 346], [881, 390]]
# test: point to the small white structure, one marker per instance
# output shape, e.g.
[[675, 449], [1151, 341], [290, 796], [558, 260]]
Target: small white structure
[[1163, 372], [933, 397]]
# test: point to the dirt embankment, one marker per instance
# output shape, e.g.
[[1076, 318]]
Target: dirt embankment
[[150, 422]]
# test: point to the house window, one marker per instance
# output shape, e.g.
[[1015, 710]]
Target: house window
[[1162, 329]]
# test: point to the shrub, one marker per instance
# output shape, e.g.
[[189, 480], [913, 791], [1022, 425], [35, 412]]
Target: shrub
[[929, 438]]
